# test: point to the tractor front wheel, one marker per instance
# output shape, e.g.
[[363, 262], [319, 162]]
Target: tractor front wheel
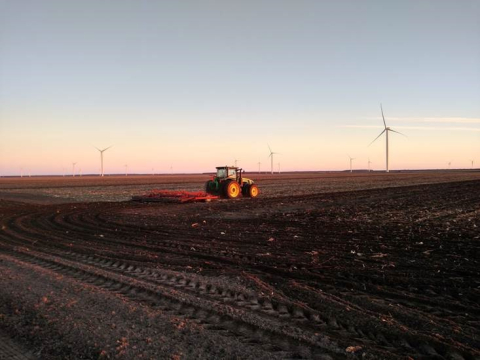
[[253, 190], [232, 189]]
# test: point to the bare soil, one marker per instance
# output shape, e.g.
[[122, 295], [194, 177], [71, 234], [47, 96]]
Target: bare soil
[[328, 266]]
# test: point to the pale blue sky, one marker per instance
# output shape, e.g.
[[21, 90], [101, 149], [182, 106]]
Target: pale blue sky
[[196, 83]]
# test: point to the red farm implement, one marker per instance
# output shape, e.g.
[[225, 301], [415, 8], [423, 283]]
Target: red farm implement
[[175, 196]]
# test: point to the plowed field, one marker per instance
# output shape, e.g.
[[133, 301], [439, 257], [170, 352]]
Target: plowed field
[[364, 267]]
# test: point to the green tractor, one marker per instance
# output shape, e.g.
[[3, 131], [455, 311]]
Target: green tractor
[[229, 183]]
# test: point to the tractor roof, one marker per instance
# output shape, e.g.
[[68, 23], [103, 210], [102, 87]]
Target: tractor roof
[[227, 167]]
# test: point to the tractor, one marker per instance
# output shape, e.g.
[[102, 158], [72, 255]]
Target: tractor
[[229, 183]]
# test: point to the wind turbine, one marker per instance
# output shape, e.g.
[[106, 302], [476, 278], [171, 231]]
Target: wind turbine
[[101, 158], [73, 169], [236, 162], [369, 162], [278, 168], [386, 130], [126, 170], [449, 164], [259, 163], [351, 160], [472, 163], [271, 158]]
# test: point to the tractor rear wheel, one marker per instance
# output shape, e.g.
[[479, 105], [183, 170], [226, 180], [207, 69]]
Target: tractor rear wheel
[[232, 189], [209, 187], [253, 191]]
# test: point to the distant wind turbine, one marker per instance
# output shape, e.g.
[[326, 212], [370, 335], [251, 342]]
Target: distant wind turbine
[[126, 170], [236, 162], [449, 164], [369, 162], [278, 168], [351, 161], [101, 158], [21, 172], [472, 163], [73, 169], [259, 163], [271, 158], [386, 130]]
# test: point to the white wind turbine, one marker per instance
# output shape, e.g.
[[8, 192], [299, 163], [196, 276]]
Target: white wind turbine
[[369, 162], [236, 162], [386, 130], [271, 158], [472, 163], [351, 161], [259, 163], [126, 170], [278, 168], [73, 169], [101, 158]]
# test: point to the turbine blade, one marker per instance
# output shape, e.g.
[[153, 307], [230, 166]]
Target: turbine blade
[[107, 148], [377, 137], [383, 117], [269, 148], [398, 132]]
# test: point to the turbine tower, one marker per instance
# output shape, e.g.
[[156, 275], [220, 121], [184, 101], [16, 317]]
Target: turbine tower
[[278, 168], [259, 163], [126, 170], [369, 162], [73, 169], [271, 158], [236, 162], [472, 163], [101, 158], [351, 160], [386, 130]]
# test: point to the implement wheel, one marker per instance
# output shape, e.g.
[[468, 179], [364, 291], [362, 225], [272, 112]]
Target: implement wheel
[[232, 190], [253, 191]]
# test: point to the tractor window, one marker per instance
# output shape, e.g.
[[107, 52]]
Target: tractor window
[[221, 173], [231, 172]]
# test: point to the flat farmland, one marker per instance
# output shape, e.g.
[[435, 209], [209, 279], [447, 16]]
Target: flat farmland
[[323, 266]]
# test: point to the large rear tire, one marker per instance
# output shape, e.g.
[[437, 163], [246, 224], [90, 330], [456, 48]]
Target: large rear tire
[[232, 190], [207, 187], [253, 191]]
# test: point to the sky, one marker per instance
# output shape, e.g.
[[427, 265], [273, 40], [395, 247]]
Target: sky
[[186, 86]]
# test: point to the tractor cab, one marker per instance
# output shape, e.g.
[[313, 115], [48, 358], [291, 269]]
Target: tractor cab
[[229, 182], [229, 172]]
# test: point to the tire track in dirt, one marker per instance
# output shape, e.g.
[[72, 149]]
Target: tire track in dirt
[[213, 315], [308, 318]]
